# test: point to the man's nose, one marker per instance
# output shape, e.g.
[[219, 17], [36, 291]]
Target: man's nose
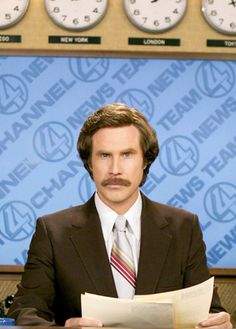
[[115, 166]]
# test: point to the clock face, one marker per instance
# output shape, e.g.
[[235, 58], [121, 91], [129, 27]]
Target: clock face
[[11, 11], [155, 15], [77, 15], [221, 15]]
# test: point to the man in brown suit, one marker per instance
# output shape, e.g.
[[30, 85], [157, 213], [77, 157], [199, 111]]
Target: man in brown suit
[[70, 250]]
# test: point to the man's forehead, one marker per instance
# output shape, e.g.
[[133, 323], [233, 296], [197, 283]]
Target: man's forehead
[[118, 138], [130, 129]]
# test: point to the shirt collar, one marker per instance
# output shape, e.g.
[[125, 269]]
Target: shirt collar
[[108, 216]]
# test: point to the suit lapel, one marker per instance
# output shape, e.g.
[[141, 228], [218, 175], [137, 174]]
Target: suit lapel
[[88, 241], [155, 241], [87, 238]]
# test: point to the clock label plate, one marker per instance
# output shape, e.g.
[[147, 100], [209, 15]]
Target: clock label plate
[[64, 39], [4, 38], [154, 42], [221, 43]]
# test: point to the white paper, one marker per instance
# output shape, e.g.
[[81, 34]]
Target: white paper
[[191, 305], [183, 308], [114, 312]]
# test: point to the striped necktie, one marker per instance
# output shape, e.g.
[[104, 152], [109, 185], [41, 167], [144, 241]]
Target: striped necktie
[[122, 263]]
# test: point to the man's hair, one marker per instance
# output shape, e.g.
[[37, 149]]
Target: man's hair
[[118, 115]]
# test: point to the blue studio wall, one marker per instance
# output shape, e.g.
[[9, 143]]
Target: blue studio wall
[[45, 100]]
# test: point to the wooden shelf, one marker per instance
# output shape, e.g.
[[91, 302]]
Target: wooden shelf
[[114, 32]]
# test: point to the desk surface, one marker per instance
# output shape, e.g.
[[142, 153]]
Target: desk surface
[[41, 327], [57, 327]]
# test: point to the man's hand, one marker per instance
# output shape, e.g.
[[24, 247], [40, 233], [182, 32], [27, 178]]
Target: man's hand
[[82, 322], [217, 320]]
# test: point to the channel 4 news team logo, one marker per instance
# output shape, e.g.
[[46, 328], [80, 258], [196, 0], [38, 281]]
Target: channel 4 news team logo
[[215, 78], [86, 187], [13, 94], [89, 69], [53, 141], [179, 155], [138, 99], [17, 221], [220, 202]]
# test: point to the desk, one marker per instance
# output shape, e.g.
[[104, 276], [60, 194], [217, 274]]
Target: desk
[[225, 280], [41, 327]]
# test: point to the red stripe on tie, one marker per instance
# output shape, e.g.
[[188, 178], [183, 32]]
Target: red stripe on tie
[[121, 265], [123, 270]]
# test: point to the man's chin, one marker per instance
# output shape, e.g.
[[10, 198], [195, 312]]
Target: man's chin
[[114, 194]]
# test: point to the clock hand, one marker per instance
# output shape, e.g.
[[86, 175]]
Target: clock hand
[[154, 1], [233, 2]]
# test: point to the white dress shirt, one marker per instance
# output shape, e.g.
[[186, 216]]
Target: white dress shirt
[[133, 216]]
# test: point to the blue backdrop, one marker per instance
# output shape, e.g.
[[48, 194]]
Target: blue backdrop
[[45, 100]]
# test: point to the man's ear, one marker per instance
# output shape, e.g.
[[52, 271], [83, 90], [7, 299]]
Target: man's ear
[[144, 165], [90, 169]]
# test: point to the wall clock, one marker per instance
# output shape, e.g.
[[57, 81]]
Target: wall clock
[[155, 15], [77, 15], [11, 12], [220, 15]]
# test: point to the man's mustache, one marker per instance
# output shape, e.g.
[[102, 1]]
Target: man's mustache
[[115, 181]]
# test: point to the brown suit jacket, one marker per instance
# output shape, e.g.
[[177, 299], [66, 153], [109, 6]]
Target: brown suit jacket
[[67, 257]]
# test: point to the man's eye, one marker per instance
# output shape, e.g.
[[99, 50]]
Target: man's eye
[[104, 155], [126, 154]]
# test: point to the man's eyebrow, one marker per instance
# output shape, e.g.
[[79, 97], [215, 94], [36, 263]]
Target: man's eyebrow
[[102, 151], [130, 149]]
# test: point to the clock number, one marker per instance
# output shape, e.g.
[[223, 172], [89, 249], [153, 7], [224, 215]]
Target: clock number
[[221, 21], [17, 8], [168, 20], [75, 21], [56, 10], [156, 23], [87, 19], [232, 25], [144, 20], [7, 16], [136, 12], [214, 13]]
